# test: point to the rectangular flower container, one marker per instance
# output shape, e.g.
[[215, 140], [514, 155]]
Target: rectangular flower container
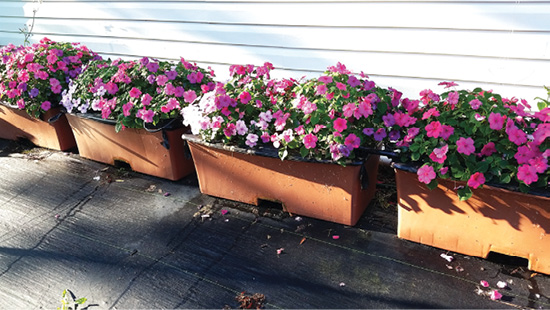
[[321, 190], [492, 220], [51, 131], [159, 153]]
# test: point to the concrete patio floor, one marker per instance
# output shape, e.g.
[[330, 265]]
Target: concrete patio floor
[[125, 240]]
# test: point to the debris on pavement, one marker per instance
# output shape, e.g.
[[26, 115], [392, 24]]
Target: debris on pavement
[[448, 258], [246, 301]]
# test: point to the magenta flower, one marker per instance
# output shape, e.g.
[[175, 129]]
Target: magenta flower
[[380, 134], [340, 124], [146, 99], [46, 105], [426, 174], [189, 96], [341, 86], [540, 164], [439, 155], [465, 146], [126, 108], [230, 130], [353, 81], [321, 89], [475, 104], [431, 112], [162, 79], [527, 174], [152, 67], [446, 132], [325, 79], [444, 170], [245, 97], [488, 149], [448, 84], [517, 136], [368, 131], [349, 109], [433, 129], [496, 121], [352, 141], [135, 93], [453, 98], [310, 141], [476, 180]]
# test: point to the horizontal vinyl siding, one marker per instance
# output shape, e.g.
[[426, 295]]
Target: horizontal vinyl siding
[[409, 45]]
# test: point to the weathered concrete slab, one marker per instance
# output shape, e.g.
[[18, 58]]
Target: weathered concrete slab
[[130, 241]]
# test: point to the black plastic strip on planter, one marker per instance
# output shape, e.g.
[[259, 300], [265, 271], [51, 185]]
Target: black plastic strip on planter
[[55, 118], [413, 168], [263, 151]]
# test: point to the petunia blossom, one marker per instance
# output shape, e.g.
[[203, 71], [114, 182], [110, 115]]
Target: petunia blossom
[[527, 174], [310, 141], [340, 124], [439, 155], [352, 141], [433, 129]]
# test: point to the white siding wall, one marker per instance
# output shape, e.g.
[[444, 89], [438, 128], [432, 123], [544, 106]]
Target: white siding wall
[[409, 45]]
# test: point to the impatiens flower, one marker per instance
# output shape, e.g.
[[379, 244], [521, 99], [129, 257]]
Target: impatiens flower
[[431, 112], [453, 98], [380, 134], [146, 115], [426, 174], [488, 149], [189, 96], [310, 141], [439, 155], [153, 67], [475, 104], [46, 105], [465, 146], [349, 109], [446, 132], [135, 93], [340, 124], [146, 99], [527, 174], [496, 121], [368, 131], [539, 163], [389, 120], [444, 170], [230, 130], [251, 140], [433, 129], [352, 141], [479, 117], [325, 79], [126, 108], [448, 84], [517, 136], [321, 89], [245, 97], [241, 127], [476, 180]]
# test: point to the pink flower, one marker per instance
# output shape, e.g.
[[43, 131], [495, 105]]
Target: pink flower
[[426, 174], [439, 155], [448, 84], [251, 140], [152, 66], [146, 115], [230, 130], [189, 96], [162, 79], [325, 79], [245, 97], [46, 105], [476, 180], [368, 131], [453, 98], [433, 129], [527, 174], [352, 141], [488, 149], [321, 89], [496, 121], [465, 146], [475, 104], [446, 131], [310, 141], [340, 124], [126, 108], [495, 295], [444, 170], [135, 93], [540, 164], [146, 99], [349, 109], [431, 112], [517, 136], [341, 86]]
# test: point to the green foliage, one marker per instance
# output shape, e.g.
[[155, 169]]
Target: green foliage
[[68, 301]]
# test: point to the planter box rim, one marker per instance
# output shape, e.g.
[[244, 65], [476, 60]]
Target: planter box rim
[[173, 123], [413, 168], [265, 151]]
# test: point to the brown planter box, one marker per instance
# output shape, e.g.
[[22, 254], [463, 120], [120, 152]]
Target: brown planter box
[[324, 191], [142, 150], [492, 220], [17, 124]]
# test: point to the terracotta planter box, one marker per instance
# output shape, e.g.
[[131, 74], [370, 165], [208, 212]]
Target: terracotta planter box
[[492, 220], [144, 151], [51, 131], [324, 191]]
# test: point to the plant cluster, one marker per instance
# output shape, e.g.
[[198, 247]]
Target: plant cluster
[[33, 78], [478, 137], [325, 118], [136, 92]]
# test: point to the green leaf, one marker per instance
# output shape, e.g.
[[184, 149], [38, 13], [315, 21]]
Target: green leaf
[[303, 151], [464, 193], [80, 301], [433, 184], [118, 127]]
